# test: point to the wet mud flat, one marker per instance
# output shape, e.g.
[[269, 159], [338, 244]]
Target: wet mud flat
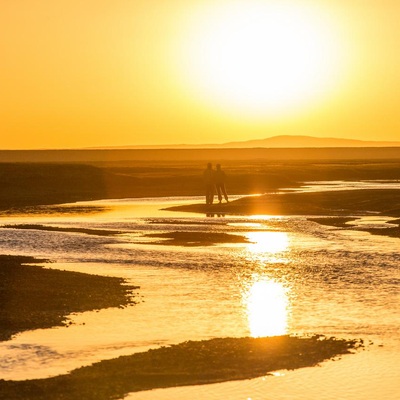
[[192, 239], [96, 232], [333, 208], [346, 223], [188, 363], [32, 297], [45, 182], [330, 203]]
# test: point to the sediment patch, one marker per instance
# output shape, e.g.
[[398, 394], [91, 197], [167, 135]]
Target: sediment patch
[[196, 238], [32, 297], [188, 363], [97, 232]]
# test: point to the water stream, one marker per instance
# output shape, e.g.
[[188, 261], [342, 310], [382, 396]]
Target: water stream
[[294, 276]]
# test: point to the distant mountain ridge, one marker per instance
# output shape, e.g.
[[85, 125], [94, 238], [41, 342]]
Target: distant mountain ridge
[[310, 141], [283, 141]]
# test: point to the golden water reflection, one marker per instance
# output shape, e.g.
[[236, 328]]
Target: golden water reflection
[[267, 307], [267, 242]]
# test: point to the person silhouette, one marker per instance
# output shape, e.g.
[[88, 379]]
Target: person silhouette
[[220, 178], [209, 182]]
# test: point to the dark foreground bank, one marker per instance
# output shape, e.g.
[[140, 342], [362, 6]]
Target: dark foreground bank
[[189, 363], [32, 297]]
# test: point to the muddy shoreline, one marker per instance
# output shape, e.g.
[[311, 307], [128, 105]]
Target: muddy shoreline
[[32, 297], [188, 363], [50, 183], [338, 206]]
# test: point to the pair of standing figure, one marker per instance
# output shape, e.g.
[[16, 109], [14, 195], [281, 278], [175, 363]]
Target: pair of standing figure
[[215, 180]]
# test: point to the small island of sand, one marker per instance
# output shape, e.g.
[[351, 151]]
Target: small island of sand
[[188, 363]]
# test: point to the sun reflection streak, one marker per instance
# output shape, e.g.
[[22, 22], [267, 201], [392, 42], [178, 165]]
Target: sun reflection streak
[[267, 308], [268, 242]]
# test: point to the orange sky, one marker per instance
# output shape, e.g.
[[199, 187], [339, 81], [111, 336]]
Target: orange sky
[[121, 72]]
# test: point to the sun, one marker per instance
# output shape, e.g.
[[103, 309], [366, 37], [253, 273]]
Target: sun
[[260, 57]]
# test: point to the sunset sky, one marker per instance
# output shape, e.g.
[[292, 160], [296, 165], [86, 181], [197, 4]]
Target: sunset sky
[[130, 72]]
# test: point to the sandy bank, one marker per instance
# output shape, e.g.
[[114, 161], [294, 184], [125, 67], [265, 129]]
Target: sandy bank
[[33, 184], [334, 203], [391, 231], [86, 231], [341, 207], [189, 363], [32, 297], [189, 239]]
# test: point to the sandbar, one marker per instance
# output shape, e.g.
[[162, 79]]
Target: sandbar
[[33, 297], [188, 363], [87, 231], [189, 239]]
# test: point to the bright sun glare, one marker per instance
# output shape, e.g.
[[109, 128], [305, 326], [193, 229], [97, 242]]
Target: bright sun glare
[[267, 308], [267, 242], [260, 57]]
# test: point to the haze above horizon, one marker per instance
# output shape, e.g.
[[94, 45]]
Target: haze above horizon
[[281, 141], [125, 74]]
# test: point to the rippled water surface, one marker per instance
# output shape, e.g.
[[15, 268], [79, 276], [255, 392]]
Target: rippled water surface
[[294, 276]]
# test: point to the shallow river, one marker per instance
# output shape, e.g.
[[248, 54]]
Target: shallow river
[[294, 276]]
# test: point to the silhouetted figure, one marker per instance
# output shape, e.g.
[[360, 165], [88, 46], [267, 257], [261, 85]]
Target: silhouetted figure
[[220, 179], [209, 181]]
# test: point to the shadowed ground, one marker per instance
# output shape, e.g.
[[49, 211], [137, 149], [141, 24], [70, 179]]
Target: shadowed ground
[[32, 184], [189, 363]]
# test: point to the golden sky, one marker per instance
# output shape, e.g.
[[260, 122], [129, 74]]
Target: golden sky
[[127, 72]]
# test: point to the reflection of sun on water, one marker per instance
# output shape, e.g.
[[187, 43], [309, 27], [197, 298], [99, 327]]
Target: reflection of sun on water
[[267, 308], [268, 242]]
